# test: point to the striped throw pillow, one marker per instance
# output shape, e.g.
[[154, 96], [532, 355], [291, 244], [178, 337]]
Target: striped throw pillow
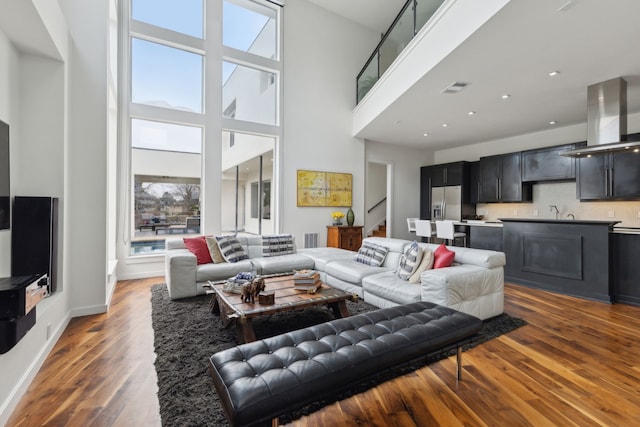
[[371, 254], [231, 249], [277, 244], [409, 261]]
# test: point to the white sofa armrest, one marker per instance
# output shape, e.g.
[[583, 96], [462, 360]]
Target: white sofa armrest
[[180, 273], [468, 288]]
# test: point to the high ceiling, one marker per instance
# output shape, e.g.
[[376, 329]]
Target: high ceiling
[[586, 41]]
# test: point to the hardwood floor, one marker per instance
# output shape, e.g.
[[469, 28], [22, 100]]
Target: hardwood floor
[[576, 363]]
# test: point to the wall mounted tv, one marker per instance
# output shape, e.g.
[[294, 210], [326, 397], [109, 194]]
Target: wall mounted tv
[[5, 190]]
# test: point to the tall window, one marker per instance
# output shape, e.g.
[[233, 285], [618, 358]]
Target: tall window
[[251, 72], [166, 120]]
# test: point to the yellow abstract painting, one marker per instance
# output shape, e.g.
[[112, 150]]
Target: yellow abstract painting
[[317, 188]]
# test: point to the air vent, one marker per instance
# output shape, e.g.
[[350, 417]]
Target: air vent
[[310, 240], [455, 87]]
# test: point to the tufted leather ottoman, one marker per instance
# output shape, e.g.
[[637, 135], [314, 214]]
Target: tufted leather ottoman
[[261, 380]]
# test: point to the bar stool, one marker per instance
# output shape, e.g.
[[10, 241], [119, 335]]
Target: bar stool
[[411, 224], [424, 228], [446, 230]]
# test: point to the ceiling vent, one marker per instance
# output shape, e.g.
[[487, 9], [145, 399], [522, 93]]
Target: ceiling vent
[[455, 87]]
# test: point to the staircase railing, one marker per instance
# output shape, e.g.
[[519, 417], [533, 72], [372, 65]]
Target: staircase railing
[[411, 18], [376, 205]]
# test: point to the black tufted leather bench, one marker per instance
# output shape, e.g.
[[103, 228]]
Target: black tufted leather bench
[[261, 380]]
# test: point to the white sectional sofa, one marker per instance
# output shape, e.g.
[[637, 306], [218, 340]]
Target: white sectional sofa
[[474, 284]]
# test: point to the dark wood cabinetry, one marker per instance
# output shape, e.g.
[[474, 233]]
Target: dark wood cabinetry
[[444, 175], [474, 182], [546, 164], [609, 176], [501, 179], [625, 268], [486, 237], [344, 237]]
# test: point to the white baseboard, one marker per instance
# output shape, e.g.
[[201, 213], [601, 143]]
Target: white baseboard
[[88, 311], [21, 387]]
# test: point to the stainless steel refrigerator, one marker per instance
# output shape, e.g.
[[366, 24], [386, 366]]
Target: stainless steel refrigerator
[[446, 203]]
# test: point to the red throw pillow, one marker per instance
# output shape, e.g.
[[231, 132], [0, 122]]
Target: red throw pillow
[[443, 257], [198, 246]]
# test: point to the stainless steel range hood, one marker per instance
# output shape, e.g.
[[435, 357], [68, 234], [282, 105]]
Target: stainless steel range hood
[[606, 120]]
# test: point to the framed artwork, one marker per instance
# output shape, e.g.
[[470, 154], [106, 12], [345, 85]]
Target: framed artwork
[[317, 188]]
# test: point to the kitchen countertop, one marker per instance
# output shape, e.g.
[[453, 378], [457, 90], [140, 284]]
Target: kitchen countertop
[[561, 221], [478, 223]]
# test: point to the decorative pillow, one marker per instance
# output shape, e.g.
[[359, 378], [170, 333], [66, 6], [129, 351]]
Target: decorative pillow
[[425, 264], [443, 257], [409, 261], [198, 246], [231, 249], [214, 250], [371, 254], [277, 244]]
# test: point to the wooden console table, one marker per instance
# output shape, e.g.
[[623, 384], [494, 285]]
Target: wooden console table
[[344, 236]]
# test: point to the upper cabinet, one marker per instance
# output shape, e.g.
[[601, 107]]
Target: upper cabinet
[[501, 179], [609, 176], [546, 164], [446, 175], [474, 182]]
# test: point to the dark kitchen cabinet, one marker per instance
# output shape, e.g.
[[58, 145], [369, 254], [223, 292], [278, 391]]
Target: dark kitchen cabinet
[[443, 175], [474, 182], [546, 164], [501, 179], [609, 176]]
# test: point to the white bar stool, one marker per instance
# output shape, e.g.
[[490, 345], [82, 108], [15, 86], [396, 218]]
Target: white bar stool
[[446, 230], [424, 228]]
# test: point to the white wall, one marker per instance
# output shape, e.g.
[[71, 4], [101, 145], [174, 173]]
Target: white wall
[[323, 54], [86, 162], [9, 73], [58, 112]]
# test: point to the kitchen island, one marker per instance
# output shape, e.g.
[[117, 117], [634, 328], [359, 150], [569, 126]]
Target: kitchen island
[[567, 256]]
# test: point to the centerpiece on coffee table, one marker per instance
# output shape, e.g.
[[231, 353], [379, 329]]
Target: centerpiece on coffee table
[[307, 280]]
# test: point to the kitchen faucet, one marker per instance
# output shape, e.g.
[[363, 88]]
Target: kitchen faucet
[[571, 215], [552, 207]]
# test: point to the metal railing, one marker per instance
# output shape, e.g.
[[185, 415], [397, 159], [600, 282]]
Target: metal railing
[[412, 17]]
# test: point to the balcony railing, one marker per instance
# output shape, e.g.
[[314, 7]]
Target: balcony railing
[[412, 17]]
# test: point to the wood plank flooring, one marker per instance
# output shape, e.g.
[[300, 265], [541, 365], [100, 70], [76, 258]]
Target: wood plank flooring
[[577, 363]]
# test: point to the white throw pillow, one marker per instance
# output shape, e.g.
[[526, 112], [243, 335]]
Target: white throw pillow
[[425, 264], [409, 261]]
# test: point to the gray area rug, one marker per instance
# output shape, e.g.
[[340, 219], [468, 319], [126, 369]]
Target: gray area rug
[[186, 334]]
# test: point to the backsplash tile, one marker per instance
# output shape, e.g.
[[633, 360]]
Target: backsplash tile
[[563, 195]]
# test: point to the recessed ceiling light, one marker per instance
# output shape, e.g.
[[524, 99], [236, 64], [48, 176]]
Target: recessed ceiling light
[[505, 96], [588, 155], [554, 73], [444, 125], [425, 134], [471, 113], [636, 150], [552, 122]]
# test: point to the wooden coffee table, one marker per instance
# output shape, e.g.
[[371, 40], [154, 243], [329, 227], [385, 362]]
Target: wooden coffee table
[[229, 307]]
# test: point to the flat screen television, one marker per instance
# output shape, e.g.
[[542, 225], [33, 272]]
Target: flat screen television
[[5, 188]]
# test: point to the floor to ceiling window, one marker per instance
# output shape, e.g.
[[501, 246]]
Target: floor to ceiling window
[[166, 123], [251, 72]]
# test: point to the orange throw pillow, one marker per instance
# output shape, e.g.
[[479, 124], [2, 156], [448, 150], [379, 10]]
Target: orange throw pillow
[[443, 257], [198, 246]]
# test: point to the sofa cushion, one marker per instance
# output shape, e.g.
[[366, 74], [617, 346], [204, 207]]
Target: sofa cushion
[[277, 244], [231, 249], [371, 254], [390, 287], [409, 261], [425, 264], [443, 257], [282, 263], [322, 256], [214, 250], [198, 247], [350, 271], [222, 271]]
